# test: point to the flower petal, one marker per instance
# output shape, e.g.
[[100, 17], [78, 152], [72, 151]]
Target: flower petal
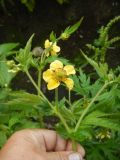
[[47, 43], [53, 53], [69, 69], [52, 84], [69, 83], [56, 64], [47, 75], [56, 48]]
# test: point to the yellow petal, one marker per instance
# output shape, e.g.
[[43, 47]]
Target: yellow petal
[[47, 43], [56, 48], [69, 69], [52, 84], [53, 53], [47, 75], [69, 83], [56, 64]]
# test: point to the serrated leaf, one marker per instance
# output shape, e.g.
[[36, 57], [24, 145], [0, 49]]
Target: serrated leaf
[[67, 113], [101, 69], [82, 134], [82, 84], [96, 119]]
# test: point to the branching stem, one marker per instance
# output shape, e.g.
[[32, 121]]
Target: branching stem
[[90, 104]]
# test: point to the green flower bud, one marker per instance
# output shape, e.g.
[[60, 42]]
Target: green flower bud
[[65, 36]]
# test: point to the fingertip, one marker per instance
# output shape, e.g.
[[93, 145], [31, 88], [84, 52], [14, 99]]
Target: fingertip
[[81, 150]]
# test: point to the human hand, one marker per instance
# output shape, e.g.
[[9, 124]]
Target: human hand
[[39, 144]]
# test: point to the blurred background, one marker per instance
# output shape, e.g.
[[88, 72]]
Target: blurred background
[[20, 18]]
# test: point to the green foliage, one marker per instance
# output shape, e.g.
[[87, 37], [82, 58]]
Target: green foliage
[[103, 43], [107, 150], [91, 118], [25, 56], [5, 69], [70, 30], [30, 4]]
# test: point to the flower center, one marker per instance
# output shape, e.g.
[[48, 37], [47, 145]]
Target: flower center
[[60, 74]]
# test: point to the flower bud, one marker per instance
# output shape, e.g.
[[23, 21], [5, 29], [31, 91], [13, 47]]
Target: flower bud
[[65, 36]]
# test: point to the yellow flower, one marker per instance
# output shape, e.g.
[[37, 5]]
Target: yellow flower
[[58, 73], [54, 48]]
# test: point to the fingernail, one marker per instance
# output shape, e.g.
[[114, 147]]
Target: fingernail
[[75, 156]]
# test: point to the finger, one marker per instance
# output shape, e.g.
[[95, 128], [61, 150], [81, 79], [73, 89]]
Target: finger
[[50, 139], [80, 149], [63, 156]]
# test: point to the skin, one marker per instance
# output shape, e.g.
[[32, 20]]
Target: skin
[[38, 144]]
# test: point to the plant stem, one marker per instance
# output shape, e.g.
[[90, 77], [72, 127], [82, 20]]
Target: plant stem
[[74, 145], [52, 107], [56, 97], [39, 80], [88, 107], [38, 89], [62, 120], [69, 96]]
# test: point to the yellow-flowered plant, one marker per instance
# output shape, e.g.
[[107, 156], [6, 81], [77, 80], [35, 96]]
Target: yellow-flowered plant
[[79, 117], [58, 73], [52, 46]]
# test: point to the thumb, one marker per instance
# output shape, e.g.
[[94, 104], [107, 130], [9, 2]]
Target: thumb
[[64, 155]]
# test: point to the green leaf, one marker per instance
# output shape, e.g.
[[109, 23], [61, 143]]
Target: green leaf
[[83, 134], [4, 118], [101, 69], [24, 56], [53, 58], [30, 124], [4, 93], [70, 30], [3, 138], [67, 113], [14, 120], [52, 37], [82, 84], [96, 119], [6, 48], [5, 76]]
